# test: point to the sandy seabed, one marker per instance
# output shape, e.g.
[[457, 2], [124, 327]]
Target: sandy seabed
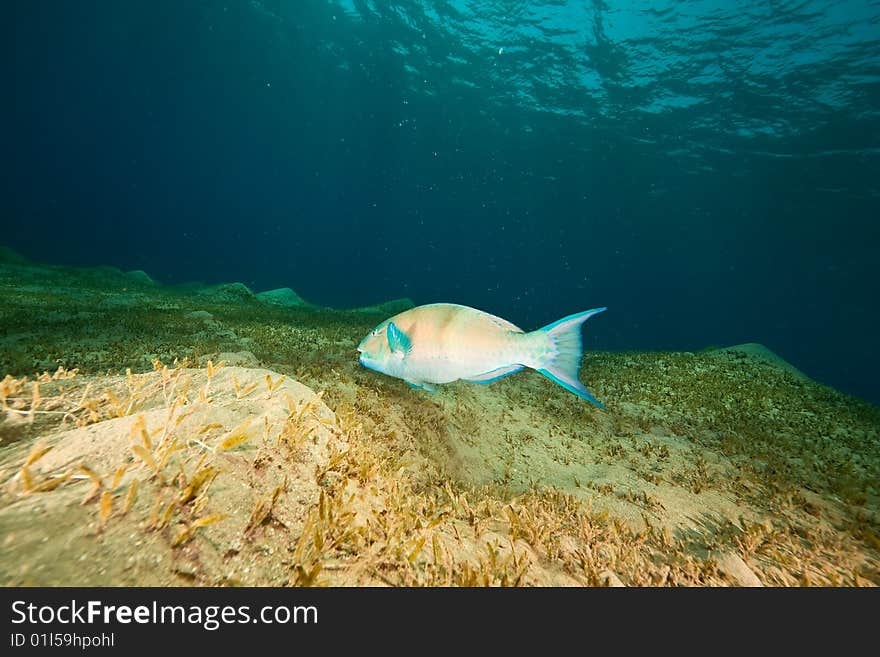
[[212, 436]]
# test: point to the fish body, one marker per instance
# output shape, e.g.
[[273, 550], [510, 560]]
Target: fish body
[[443, 342]]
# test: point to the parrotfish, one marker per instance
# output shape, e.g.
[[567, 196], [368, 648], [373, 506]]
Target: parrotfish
[[443, 342]]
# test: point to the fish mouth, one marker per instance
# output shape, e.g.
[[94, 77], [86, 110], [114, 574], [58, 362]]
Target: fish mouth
[[365, 362]]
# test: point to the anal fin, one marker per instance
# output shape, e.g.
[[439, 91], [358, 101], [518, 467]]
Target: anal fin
[[494, 375]]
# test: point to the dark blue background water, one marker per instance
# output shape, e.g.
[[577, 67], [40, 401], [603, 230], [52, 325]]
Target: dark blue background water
[[710, 171]]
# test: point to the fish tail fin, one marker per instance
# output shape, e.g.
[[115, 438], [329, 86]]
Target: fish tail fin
[[563, 363]]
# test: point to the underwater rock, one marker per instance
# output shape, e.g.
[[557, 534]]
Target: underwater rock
[[140, 276], [761, 352], [733, 566], [12, 428], [228, 292], [10, 257], [609, 578], [389, 307], [283, 296]]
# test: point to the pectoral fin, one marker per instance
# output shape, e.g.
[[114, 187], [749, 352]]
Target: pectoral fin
[[398, 341]]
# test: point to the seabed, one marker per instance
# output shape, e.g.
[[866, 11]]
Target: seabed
[[211, 436]]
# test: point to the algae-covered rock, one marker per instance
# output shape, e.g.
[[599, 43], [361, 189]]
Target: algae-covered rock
[[759, 351], [140, 276], [228, 292], [389, 307], [283, 296], [10, 257]]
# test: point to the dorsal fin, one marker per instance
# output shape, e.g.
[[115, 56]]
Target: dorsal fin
[[503, 323]]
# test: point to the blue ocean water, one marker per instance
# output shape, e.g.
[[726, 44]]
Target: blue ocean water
[[709, 170]]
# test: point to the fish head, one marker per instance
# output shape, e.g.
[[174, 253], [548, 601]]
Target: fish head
[[384, 348], [375, 352]]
